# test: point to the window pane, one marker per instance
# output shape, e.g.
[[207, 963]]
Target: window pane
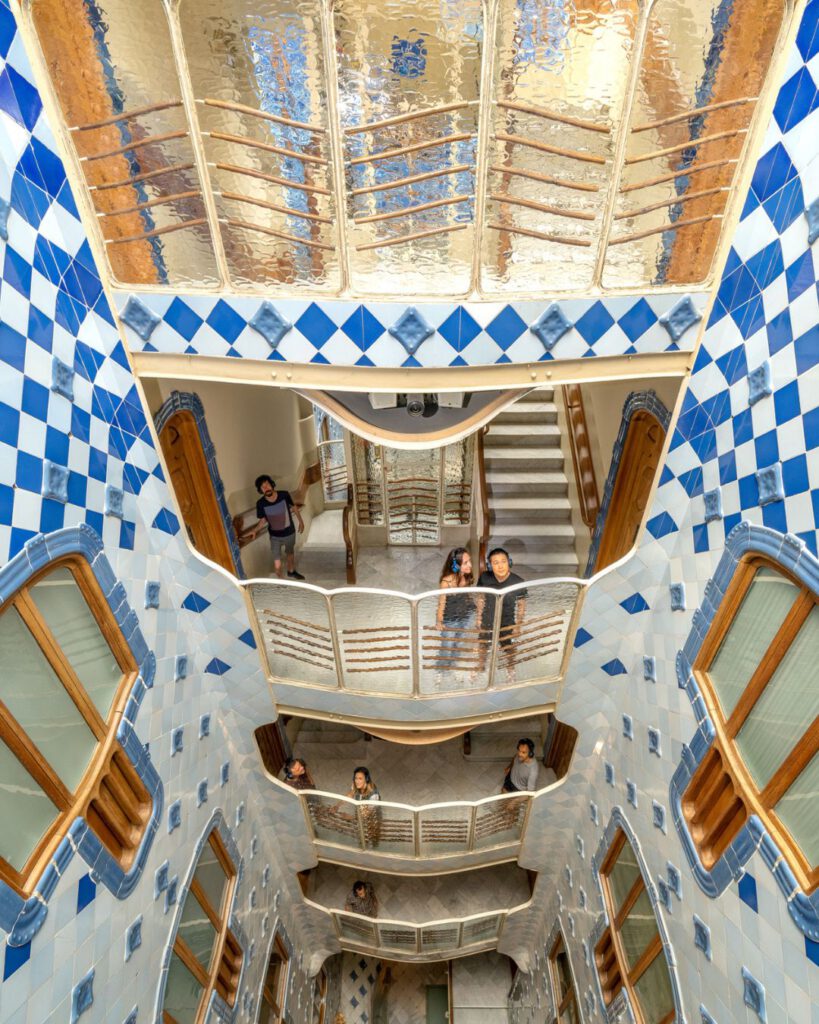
[[26, 805], [564, 976], [788, 705], [654, 991], [799, 811], [764, 607], [77, 632], [211, 876], [623, 875], [37, 699], [638, 929], [182, 993], [197, 932]]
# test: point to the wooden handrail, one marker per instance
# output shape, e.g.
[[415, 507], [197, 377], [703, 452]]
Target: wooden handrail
[[348, 530], [581, 454], [483, 540]]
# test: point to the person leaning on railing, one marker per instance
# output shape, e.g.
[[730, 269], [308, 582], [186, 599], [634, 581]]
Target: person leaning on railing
[[364, 789], [362, 899], [455, 611], [521, 775], [499, 576], [296, 774]]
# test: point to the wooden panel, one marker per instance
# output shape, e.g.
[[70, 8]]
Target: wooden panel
[[193, 487], [635, 475]]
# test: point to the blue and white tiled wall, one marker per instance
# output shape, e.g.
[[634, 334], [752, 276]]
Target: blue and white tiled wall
[[76, 451], [352, 333], [745, 448]]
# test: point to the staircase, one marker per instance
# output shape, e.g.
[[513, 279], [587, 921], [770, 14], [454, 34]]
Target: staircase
[[528, 490]]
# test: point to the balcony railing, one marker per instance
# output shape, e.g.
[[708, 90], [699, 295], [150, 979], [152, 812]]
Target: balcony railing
[[334, 478], [379, 641], [429, 831], [405, 940]]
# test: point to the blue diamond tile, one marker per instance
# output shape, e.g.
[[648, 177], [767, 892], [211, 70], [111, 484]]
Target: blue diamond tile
[[615, 667], [637, 320], [247, 638], [786, 205], [166, 521], [680, 317], [411, 330], [217, 667], [812, 951], [182, 319], [195, 602], [812, 213], [550, 326], [806, 350], [272, 326], [582, 636], [16, 957], [797, 98], [362, 328], [747, 892], [635, 604], [315, 325], [224, 319], [506, 327], [773, 170], [661, 525], [594, 323]]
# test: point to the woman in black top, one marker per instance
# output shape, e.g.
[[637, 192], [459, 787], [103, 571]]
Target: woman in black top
[[456, 611]]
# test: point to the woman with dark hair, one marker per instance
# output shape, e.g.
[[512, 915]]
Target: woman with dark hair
[[364, 789], [456, 612], [297, 775]]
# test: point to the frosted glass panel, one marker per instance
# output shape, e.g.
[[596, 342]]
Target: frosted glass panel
[[623, 875], [559, 82], [654, 991], [710, 57], [638, 929], [77, 632], [799, 811], [24, 804], [182, 993], [37, 699], [763, 610], [112, 59], [397, 57], [197, 931], [211, 876], [788, 705]]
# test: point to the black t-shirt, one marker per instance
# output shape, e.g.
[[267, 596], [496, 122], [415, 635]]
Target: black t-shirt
[[510, 602], [277, 513]]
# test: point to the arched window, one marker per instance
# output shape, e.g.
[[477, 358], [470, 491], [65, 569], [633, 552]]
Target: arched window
[[67, 671], [630, 953], [756, 668], [206, 956]]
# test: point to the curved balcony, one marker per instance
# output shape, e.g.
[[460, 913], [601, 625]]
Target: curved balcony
[[491, 828], [423, 918], [376, 656]]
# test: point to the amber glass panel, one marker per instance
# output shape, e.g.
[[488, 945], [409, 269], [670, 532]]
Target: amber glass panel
[[266, 56], [570, 62], [397, 57], [622, 876], [698, 55], [114, 57]]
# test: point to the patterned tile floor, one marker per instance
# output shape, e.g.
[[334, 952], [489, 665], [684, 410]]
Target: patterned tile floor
[[427, 898], [414, 774]]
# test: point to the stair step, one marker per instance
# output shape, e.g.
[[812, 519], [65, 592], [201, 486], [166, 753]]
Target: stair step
[[547, 531], [545, 412], [523, 482], [522, 433], [527, 454], [506, 508], [538, 395]]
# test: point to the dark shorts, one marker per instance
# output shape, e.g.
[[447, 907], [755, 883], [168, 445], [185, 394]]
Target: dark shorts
[[287, 543]]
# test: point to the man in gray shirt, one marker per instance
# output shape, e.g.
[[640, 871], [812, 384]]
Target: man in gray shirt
[[521, 775]]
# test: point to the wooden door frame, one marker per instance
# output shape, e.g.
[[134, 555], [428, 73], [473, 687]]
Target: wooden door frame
[[636, 402], [189, 401]]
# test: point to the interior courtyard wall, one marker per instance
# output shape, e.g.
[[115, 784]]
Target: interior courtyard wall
[[766, 311]]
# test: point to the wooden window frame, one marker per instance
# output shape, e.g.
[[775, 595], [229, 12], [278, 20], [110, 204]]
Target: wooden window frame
[[627, 977], [110, 795], [698, 794], [563, 1003], [226, 956], [275, 1000]]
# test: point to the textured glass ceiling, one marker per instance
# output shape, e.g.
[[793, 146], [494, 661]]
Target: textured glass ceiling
[[408, 147]]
